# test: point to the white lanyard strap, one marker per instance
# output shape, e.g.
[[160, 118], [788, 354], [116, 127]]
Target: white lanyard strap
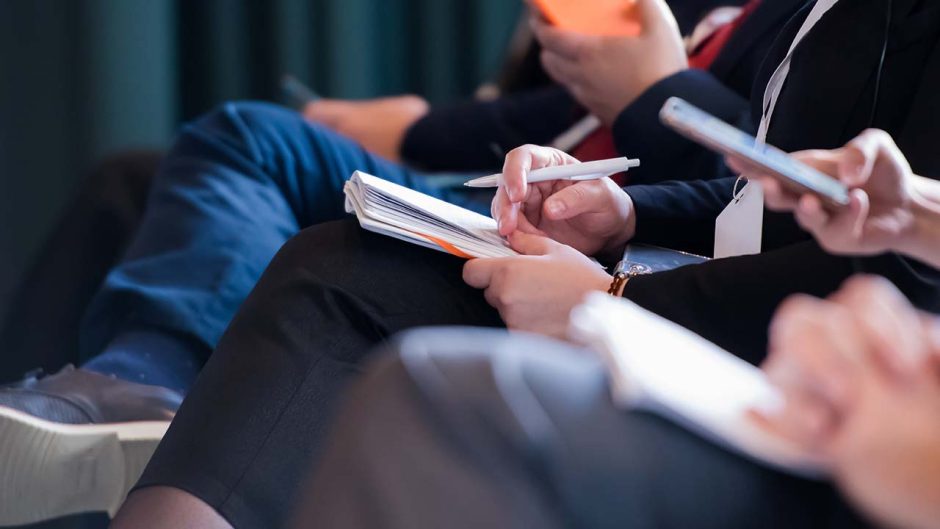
[[775, 84]]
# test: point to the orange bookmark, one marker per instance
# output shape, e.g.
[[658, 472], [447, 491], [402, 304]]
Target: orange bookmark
[[448, 247]]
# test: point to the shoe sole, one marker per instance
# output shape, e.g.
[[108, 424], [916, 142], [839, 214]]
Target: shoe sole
[[49, 470]]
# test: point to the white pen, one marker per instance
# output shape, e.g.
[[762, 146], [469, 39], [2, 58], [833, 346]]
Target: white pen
[[577, 171]]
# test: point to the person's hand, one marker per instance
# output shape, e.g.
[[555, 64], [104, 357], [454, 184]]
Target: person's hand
[[379, 125], [607, 73], [861, 377], [880, 216], [536, 291], [595, 217]]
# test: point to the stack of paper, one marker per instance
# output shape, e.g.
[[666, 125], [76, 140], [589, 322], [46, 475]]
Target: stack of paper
[[396, 211], [658, 366]]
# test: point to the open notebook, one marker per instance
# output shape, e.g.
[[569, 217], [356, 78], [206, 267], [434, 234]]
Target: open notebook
[[396, 211], [658, 366]]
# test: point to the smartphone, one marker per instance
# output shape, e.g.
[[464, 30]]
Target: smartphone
[[295, 94], [701, 127], [593, 17]]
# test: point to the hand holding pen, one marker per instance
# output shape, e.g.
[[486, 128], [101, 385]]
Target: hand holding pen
[[592, 215]]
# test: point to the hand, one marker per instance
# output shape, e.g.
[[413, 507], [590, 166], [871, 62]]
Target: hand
[[881, 214], [861, 376], [379, 125], [595, 217], [606, 73], [536, 291]]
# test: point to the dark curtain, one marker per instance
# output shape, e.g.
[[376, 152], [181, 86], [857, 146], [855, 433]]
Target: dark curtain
[[83, 78]]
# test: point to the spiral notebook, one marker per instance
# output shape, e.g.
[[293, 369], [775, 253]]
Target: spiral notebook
[[660, 367], [390, 209]]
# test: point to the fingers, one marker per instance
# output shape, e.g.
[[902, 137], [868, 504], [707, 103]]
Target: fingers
[[565, 44], [562, 70], [478, 273], [861, 155], [505, 212], [577, 199], [528, 244], [834, 230], [890, 326], [514, 188], [654, 15], [776, 196], [814, 347]]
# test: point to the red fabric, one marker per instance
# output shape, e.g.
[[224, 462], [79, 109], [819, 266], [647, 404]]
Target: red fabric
[[599, 145], [706, 53]]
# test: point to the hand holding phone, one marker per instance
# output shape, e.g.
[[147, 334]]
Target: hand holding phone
[[701, 127]]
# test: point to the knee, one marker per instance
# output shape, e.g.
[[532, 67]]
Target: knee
[[248, 126], [262, 133]]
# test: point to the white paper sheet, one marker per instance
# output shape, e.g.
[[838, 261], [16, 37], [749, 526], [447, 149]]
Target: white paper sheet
[[658, 366]]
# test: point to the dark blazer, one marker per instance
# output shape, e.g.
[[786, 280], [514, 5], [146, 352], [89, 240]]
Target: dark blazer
[[474, 135], [827, 100]]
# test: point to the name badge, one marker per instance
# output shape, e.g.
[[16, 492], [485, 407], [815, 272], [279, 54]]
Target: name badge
[[739, 228]]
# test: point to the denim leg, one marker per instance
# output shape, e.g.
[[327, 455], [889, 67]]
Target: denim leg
[[236, 185]]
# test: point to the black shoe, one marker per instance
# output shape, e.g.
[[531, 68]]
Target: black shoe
[[76, 442]]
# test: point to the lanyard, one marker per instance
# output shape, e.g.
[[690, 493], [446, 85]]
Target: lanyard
[[777, 80]]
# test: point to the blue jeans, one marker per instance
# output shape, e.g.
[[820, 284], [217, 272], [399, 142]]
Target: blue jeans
[[236, 185]]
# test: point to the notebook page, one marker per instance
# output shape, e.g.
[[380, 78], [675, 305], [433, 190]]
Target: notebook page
[[480, 225], [402, 224], [662, 367], [394, 210]]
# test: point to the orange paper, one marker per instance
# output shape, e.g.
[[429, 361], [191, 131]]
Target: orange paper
[[448, 247], [593, 17]]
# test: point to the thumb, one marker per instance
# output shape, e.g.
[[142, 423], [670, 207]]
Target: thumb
[[528, 244], [572, 201], [653, 14]]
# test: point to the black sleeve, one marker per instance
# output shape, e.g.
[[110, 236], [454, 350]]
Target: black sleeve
[[665, 155], [695, 183], [680, 215], [476, 135]]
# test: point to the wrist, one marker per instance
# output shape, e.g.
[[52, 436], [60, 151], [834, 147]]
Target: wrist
[[919, 241], [618, 241]]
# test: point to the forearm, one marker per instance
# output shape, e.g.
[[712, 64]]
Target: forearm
[[476, 135]]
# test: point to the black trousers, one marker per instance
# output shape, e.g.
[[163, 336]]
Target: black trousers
[[256, 419], [250, 427], [468, 428]]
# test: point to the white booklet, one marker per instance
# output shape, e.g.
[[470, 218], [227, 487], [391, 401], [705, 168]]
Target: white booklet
[[390, 209], [658, 366]]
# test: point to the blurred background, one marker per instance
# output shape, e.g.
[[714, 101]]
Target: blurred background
[[81, 79]]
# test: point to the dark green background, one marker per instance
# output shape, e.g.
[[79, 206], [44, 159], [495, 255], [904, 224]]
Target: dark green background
[[83, 78]]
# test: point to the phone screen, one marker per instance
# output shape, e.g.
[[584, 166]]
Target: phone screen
[[593, 17], [703, 128]]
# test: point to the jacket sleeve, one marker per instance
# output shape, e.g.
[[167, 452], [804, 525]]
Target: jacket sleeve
[[665, 155], [476, 135], [681, 187], [680, 215]]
